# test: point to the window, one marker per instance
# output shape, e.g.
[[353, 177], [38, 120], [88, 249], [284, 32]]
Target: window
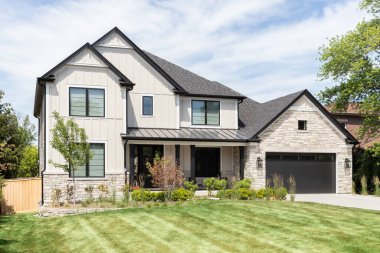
[[205, 112], [302, 125], [147, 105], [86, 102], [95, 166], [207, 162]]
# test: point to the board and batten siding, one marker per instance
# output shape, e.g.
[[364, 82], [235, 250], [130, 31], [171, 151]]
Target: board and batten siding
[[87, 71], [228, 112], [148, 82]]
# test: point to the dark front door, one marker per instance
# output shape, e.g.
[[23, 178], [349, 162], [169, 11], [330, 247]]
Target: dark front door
[[145, 154], [207, 162], [314, 173]]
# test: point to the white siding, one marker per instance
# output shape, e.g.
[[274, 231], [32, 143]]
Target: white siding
[[99, 129], [86, 57], [147, 82], [114, 40], [228, 112]]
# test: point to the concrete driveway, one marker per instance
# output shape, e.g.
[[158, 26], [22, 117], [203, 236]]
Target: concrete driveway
[[346, 200]]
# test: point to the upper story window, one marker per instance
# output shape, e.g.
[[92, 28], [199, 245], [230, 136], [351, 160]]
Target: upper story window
[[302, 125], [94, 167], [205, 112], [147, 105], [87, 102]]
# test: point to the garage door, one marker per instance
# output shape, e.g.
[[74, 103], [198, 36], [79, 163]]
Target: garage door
[[314, 173]]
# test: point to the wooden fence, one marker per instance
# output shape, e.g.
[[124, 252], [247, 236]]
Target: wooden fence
[[21, 195]]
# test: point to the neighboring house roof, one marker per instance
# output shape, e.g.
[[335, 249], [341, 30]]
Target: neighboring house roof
[[353, 119], [194, 84], [186, 134], [352, 109], [49, 76]]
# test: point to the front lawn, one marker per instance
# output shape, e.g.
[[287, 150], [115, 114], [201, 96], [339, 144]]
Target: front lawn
[[200, 226]]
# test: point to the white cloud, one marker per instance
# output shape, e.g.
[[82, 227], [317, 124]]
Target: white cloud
[[235, 42]]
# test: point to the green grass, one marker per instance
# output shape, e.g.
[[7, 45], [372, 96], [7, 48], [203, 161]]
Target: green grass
[[201, 226]]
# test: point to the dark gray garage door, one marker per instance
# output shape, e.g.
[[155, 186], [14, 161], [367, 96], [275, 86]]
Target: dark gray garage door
[[314, 173]]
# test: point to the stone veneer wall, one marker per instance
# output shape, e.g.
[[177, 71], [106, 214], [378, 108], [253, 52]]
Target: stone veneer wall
[[60, 181], [283, 136]]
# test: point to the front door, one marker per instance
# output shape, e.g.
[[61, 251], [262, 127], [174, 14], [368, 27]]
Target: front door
[[145, 154]]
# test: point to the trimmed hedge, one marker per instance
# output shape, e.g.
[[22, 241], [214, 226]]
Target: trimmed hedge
[[146, 195]]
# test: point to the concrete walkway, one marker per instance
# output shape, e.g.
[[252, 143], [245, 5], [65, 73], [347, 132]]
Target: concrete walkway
[[346, 200]]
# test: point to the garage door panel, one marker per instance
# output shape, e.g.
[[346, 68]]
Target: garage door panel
[[311, 176]]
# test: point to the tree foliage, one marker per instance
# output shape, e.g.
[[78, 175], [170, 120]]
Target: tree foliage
[[15, 136], [165, 174], [71, 142], [29, 163], [353, 61]]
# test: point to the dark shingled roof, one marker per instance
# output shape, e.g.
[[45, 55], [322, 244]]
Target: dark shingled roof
[[192, 83], [256, 117]]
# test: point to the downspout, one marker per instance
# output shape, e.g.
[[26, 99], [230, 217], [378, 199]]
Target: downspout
[[42, 82], [44, 169], [238, 110]]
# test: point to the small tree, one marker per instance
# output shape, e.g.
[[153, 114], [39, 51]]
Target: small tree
[[165, 174], [71, 142]]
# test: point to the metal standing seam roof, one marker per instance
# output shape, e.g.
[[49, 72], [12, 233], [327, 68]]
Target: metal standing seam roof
[[201, 134]]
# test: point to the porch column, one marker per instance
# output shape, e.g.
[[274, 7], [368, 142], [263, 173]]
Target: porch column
[[131, 163], [192, 162], [177, 154], [241, 162]]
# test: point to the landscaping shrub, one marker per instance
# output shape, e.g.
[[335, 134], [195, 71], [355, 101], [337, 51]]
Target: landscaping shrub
[[190, 185], [268, 193], [165, 174], [213, 183], [103, 191], [292, 187], [56, 196], [376, 183], [278, 181], [158, 196], [125, 191], [240, 193], [363, 182], [260, 194], [89, 189], [242, 184], [280, 193], [142, 195], [181, 194], [244, 194], [226, 194]]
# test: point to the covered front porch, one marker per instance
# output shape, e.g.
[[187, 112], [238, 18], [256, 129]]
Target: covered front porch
[[198, 160]]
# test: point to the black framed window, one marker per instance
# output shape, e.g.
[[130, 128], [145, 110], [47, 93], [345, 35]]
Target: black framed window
[[205, 112], [147, 105], [94, 167], [302, 125], [87, 102]]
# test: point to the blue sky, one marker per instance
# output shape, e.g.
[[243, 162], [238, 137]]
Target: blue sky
[[263, 49]]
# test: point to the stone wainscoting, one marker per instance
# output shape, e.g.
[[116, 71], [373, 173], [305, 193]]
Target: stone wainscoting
[[114, 182]]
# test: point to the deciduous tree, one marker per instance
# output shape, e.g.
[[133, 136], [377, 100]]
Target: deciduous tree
[[353, 61], [71, 142]]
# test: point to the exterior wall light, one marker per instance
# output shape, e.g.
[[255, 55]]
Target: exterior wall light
[[259, 163], [347, 163]]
